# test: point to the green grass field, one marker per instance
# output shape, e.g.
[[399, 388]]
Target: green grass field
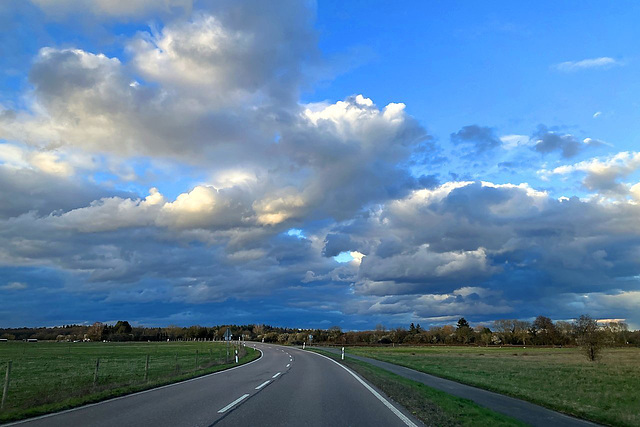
[[48, 376], [431, 406], [607, 391]]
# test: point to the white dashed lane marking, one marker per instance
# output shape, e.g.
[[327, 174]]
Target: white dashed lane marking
[[276, 375], [232, 404], [263, 384]]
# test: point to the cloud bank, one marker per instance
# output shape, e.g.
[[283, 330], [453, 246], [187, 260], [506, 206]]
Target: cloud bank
[[183, 177]]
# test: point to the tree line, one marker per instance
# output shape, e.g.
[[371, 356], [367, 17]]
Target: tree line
[[541, 331]]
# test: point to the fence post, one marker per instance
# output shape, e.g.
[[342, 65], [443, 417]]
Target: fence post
[[95, 372], [146, 369], [5, 389]]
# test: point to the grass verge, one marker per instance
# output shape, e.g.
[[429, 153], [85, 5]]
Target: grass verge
[[431, 406]]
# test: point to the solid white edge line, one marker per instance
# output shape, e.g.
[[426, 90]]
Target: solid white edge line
[[263, 384], [234, 403], [386, 403], [276, 375], [28, 420]]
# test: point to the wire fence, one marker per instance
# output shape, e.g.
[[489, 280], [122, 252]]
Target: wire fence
[[44, 376]]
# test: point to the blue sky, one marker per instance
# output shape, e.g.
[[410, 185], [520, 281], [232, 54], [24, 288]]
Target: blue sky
[[318, 164]]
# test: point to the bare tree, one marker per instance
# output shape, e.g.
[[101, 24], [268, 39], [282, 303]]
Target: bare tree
[[589, 336]]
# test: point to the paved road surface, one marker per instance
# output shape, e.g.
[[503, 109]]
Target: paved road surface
[[524, 411], [285, 387]]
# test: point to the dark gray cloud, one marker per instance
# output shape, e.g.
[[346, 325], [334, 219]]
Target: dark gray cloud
[[547, 141], [480, 139], [336, 243], [25, 190]]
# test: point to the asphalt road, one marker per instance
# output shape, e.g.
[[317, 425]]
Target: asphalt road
[[526, 412], [285, 387]]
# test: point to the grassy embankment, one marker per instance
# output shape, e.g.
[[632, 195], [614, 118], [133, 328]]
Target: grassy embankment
[[431, 406], [48, 376], [607, 391]]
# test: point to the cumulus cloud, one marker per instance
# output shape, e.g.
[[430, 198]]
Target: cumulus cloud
[[214, 88], [214, 92], [227, 59], [85, 100], [355, 152], [602, 62], [603, 175], [511, 240]]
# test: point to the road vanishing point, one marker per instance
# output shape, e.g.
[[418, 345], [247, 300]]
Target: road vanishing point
[[284, 387]]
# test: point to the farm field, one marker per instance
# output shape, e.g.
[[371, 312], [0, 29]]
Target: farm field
[[563, 379], [50, 376]]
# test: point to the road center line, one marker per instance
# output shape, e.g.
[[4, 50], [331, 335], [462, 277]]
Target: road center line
[[263, 384], [276, 375], [232, 404], [288, 365]]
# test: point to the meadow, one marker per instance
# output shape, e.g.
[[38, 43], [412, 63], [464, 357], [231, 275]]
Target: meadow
[[50, 376], [606, 391]]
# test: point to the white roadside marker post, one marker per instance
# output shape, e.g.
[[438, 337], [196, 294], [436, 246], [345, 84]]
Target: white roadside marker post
[[5, 389], [342, 353], [236, 355], [303, 344]]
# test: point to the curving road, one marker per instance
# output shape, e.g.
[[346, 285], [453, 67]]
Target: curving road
[[286, 386]]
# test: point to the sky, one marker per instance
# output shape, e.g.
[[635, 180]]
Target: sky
[[319, 164]]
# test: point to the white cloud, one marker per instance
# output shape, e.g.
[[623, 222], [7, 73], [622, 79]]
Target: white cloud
[[602, 62], [277, 208], [56, 162], [51, 163], [603, 175], [510, 142], [14, 286]]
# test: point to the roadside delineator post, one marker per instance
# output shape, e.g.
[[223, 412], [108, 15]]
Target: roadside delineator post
[[342, 353], [236, 355], [303, 344], [146, 369], [196, 360], [95, 372], [5, 389]]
